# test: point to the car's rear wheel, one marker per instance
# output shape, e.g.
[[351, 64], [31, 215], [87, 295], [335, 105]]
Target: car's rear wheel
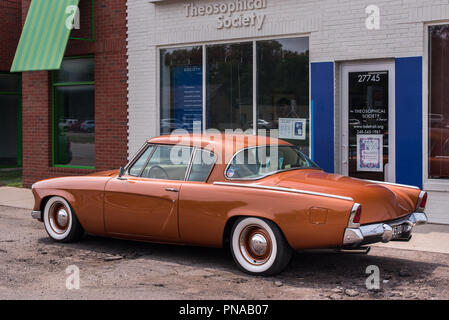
[[259, 247], [60, 221]]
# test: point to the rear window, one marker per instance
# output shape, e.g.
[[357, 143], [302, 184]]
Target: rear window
[[257, 162]]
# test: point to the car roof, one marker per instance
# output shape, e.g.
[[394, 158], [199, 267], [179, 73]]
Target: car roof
[[218, 141]]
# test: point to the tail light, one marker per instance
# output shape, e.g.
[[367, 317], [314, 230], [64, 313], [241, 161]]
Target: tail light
[[422, 201], [356, 214]]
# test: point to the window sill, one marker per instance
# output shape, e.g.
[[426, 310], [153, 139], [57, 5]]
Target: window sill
[[437, 185]]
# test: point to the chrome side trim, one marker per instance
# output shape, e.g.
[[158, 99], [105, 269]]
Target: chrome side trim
[[36, 215], [393, 184], [282, 189]]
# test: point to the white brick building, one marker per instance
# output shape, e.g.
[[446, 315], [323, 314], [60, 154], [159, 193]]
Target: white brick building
[[351, 71]]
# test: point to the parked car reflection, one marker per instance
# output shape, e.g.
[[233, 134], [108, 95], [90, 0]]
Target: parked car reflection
[[88, 126], [261, 124], [66, 124]]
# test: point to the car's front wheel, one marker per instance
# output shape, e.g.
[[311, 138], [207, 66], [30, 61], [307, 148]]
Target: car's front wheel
[[259, 247], [60, 221]]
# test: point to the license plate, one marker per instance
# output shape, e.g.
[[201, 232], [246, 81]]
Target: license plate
[[399, 230]]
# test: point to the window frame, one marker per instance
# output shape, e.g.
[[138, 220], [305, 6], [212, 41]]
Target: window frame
[[204, 46], [429, 184], [55, 85], [19, 120]]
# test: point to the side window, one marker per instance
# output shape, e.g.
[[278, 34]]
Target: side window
[[203, 162], [168, 163], [137, 167]]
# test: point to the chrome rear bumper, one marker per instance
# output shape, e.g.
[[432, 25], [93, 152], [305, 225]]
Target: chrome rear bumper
[[399, 229]]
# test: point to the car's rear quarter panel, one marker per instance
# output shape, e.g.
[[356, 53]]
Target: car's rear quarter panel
[[307, 221]]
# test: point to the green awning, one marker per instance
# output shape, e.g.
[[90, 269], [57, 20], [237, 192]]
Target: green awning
[[44, 36]]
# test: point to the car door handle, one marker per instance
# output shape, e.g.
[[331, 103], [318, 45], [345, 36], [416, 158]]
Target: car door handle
[[172, 190]]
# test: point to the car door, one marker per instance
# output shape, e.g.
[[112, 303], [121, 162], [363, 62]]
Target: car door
[[144, 202], [199, 223]]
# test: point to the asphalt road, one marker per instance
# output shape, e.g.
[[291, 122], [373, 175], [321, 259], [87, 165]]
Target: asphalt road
[[34, 267]]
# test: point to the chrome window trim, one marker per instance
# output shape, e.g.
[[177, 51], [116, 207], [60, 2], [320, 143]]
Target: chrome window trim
[[394, 184], [283, 190], [136, 155], [189, 167], [268, 174]]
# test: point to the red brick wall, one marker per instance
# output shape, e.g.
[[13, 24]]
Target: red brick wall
[[111, 108], [10, 25]]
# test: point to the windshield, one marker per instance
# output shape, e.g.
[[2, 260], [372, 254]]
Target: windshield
[[257, 162]]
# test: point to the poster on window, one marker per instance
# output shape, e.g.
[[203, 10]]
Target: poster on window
[[292, 128], [370, 153], [187, 97]]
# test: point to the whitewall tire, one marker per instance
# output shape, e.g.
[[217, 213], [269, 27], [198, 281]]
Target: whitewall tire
[[60, 221], [259, 247]]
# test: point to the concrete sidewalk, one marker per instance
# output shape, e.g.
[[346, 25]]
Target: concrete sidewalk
[[429, 238], [16, 197]]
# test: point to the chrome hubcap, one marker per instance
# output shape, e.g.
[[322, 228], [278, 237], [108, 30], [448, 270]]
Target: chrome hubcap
[[258, 244], [62, 217], [255, 245], [59, 218]]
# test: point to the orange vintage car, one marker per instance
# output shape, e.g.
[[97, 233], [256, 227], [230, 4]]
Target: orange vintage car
[[260, 196]]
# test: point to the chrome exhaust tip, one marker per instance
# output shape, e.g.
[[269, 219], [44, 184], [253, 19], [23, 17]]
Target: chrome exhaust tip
[[359, 250]]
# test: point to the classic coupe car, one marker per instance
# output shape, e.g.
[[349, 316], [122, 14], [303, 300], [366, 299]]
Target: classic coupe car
[[260, 196]]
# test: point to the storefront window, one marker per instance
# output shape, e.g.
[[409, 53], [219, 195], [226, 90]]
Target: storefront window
[[283, 89], [282, 83], [229, 86], [439, 102], [181, 89], [10, 120], [74, 114]]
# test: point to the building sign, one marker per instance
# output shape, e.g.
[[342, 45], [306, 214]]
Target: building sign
[[370, 153], [188, 96], [234, 14], [291, 128]]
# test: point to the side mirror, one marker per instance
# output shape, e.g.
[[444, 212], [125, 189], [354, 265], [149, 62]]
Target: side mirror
[[121, 173]]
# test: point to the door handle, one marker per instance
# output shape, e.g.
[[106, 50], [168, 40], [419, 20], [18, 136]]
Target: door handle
[[172, 190]]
